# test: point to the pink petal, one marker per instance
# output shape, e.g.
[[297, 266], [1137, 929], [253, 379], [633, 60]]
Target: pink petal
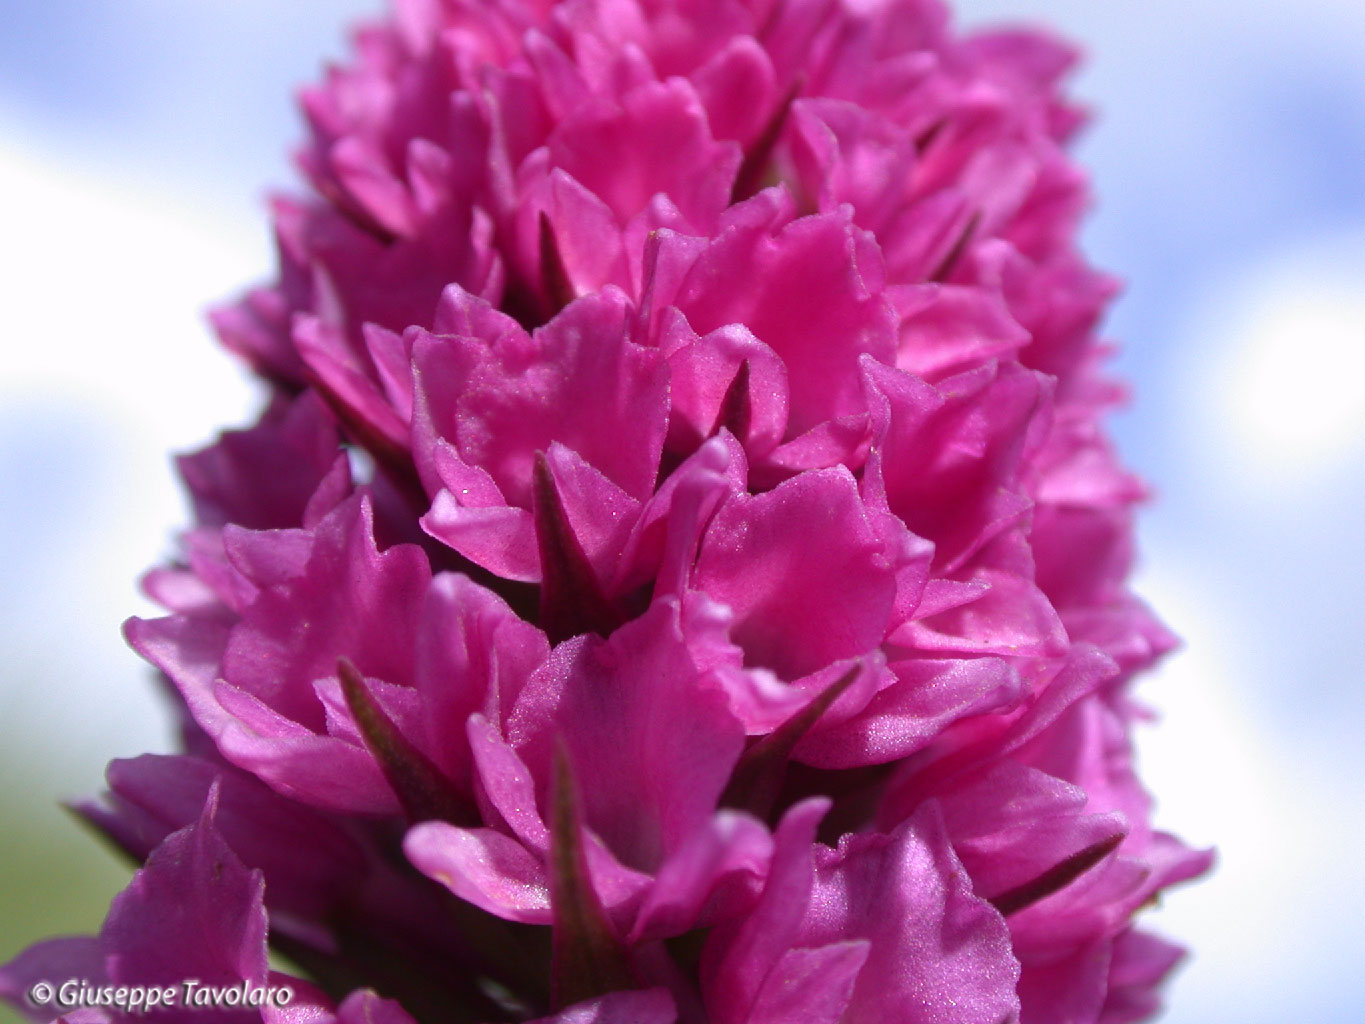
[[351, 600], [740, 955], [938, 953], [485, 867], [715, 874], [651, 739], [193, 911], [810, 292], [648, 1006], [803, 572]]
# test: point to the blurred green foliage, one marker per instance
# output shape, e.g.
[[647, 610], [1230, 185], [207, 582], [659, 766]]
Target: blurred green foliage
[[56, 877]]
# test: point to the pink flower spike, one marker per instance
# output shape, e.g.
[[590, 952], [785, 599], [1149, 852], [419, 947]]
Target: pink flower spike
[[680, 572]]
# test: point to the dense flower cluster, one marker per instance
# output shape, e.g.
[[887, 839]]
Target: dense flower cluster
[[680, 574]]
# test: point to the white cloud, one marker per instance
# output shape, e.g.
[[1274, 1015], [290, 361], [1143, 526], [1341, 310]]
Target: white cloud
[[1275, 380], [1275, 926], [1296, 395], [105, 351]]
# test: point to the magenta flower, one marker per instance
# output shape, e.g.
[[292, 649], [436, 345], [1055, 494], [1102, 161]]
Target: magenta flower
[[680, 573]]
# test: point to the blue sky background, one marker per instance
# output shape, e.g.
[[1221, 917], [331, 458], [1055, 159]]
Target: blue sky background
[[137, 139]]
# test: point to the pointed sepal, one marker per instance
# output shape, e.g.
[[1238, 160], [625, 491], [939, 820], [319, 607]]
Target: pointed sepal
[[1055, 878], [571, 597], [589, 958], [426, 794], [757, 779]]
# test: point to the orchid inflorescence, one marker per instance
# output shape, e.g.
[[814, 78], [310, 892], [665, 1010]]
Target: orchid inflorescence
[[680, 572]]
